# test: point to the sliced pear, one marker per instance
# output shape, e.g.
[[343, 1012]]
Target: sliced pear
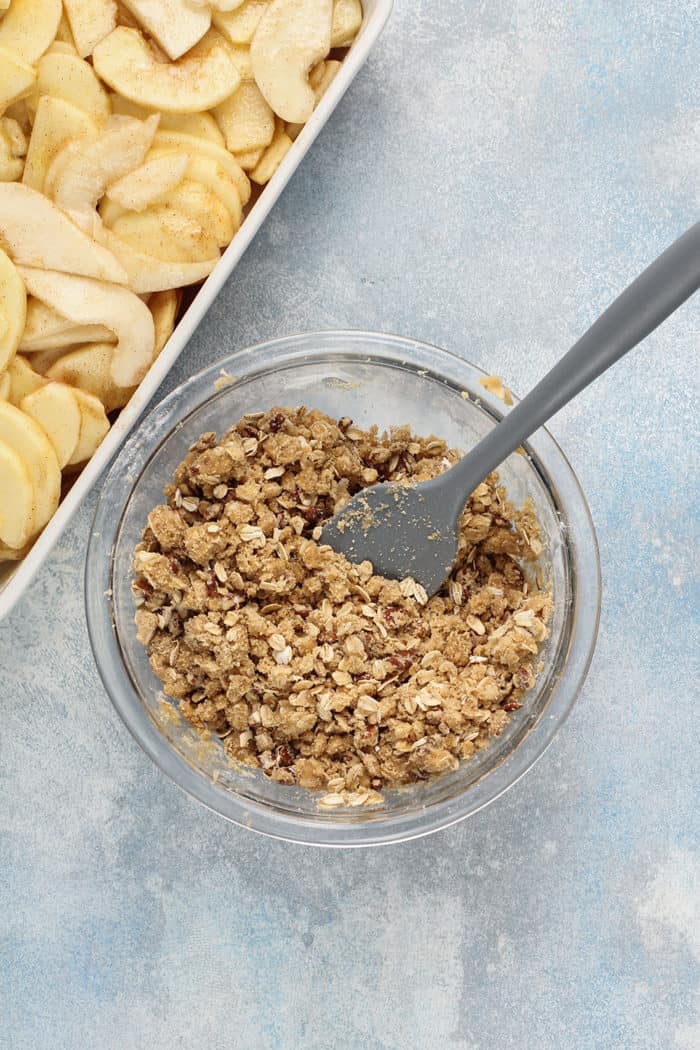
[[164, 307], [148, 274], [166, 234], [205, 76], [4, 386], [23, 379], [56, 123], [45, 329], [55, 408], [16, 78], [201, 125], [347, 20], [245, 118], [89, 369], [293, 35], [36, 451], [91, 166], [175, 24], [13, 309], [37, 233], [16, 499], [29, 27], [94, 425], [87, 301], [251, 158], [65, 75], [149, 182], [239, 25], [272, 157], [90, 21], [195, 147]]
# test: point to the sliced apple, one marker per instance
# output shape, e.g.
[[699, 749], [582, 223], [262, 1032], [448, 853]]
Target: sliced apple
[[205, 76], [19, 113], [293, 35], [43, 359], [23, 379], [201, 125], [195, 147], [240, 54], [201, 204], [175, 24], [164, 307], [89, 368], [347, 20], [16, 78], [45, 329], [239, 25], [4, 386], [64, 37], [272, 157], [94, 425], [245, 118], [86, 168], [13, 309], [37, 233], [167, 234], [28, 28], [90, 21], [16, 499], [56, 123], [251, 158], [55, 408], [65, 75], [148, 274], [30, 442], [322, 76], [13, 149], [87, 301], [149, 181]]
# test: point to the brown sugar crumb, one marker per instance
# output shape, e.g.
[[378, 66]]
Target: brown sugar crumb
[[312, 668]]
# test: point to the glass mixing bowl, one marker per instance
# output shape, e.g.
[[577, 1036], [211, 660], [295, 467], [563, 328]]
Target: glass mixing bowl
[[374, 379]]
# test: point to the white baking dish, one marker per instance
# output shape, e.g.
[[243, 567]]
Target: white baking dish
[[16, 578]]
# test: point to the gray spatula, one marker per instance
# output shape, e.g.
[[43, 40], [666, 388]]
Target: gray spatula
[[412, 531]]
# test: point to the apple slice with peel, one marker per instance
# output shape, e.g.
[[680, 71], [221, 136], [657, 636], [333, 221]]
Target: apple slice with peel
[[90, 21], [16, 78], [205, 76], [175, 24], [55, 408], [36, 233], [16, 499], [36, 451], [28, 28], [148, 274], [85, 168], [89, 369], [201, 125], [87, 301], [13, 309], [94, 425], [300, 31], [149, 181], [245, 118], [165, 233], [23, 380], [56, 122], [65, 75], [45, 329]]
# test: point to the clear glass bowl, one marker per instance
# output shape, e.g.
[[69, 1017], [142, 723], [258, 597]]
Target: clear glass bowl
[[374, 379]]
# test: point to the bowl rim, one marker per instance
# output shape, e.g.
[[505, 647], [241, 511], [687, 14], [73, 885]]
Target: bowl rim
[[157, 427]]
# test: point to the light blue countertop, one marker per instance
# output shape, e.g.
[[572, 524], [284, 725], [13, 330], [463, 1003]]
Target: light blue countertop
[[498, 172]]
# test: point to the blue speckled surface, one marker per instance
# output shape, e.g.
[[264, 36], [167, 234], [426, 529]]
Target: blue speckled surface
[[495, 176]]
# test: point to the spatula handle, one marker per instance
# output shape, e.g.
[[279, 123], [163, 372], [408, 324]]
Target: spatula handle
[[648, 301]]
